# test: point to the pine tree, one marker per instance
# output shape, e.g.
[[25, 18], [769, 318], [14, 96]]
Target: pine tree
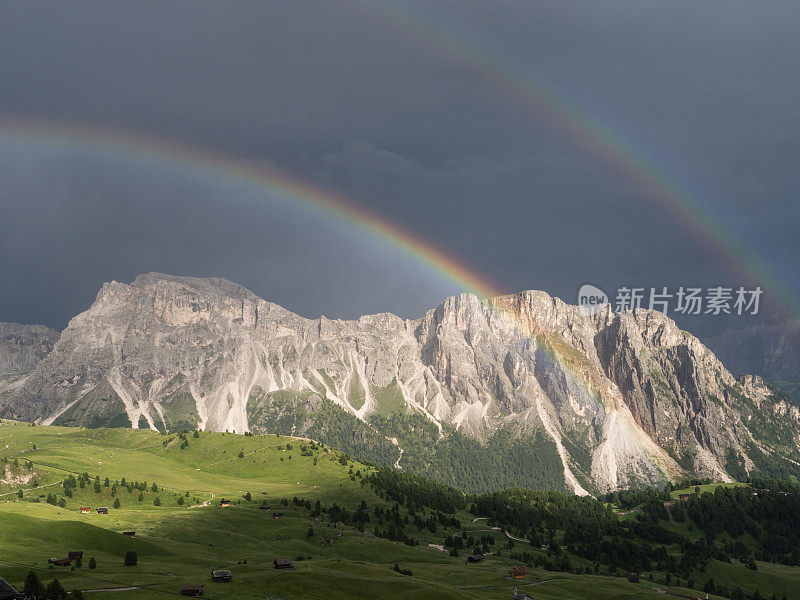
[[92, 563], [33, 585], [55, 591]]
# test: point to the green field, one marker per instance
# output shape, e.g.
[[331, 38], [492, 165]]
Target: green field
[[179, 544], [708, 487]]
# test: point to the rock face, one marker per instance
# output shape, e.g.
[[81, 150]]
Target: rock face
[[23, 346], [768, 346], [520, 389], [21, 349]]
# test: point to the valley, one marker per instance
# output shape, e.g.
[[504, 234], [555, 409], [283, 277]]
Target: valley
[[345, 525]]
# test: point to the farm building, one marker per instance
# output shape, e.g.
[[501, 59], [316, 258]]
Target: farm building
[[518, 572], [103, 510], [75, 554], [7, 591], [194, 591], [283, 563], [475, 558], [277, 515], [264, 507], [221, 576], [85, 510], [684, 496], [225, 503], [633, 577], [60, 562], [130, 534]]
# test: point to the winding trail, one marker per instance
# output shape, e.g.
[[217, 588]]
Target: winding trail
[[508, 535], [30, 489]]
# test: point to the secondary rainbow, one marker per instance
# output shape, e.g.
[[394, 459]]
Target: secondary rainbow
[[586, 131]]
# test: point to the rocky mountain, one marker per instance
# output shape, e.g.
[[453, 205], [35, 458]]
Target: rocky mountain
[[768, 345], [21, 349], [518, 390]]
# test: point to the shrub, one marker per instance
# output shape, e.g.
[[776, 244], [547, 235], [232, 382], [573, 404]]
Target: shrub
[[131, 560]]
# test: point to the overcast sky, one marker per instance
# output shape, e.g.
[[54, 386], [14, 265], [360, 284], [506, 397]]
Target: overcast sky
[[393, 112]]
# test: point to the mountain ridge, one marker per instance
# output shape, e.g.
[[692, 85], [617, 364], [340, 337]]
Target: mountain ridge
[[585, 403]]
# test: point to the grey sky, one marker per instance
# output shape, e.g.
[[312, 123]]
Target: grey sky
[[342, 94]]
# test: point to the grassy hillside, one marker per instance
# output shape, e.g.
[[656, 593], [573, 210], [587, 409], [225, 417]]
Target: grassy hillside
[[345, 537]]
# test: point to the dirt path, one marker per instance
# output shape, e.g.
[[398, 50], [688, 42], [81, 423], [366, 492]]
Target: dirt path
[[508, 535], [31, 489], [205, 503], [516, 539]]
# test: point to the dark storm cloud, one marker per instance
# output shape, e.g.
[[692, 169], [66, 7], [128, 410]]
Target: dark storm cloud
[[356, 100]]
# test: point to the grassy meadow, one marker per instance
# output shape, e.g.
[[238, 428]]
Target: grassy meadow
[[182, 532]]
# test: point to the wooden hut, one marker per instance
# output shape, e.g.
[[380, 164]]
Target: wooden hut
[[283, 563], [518, 572], [194, 591], [221, 576]]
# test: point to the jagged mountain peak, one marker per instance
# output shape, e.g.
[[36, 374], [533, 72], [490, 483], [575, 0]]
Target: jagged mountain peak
[[583, 402], [204, 285]]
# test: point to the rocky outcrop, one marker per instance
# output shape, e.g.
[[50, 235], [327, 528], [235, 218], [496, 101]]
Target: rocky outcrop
[[23, 346], [612, 399], [21, 349]]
